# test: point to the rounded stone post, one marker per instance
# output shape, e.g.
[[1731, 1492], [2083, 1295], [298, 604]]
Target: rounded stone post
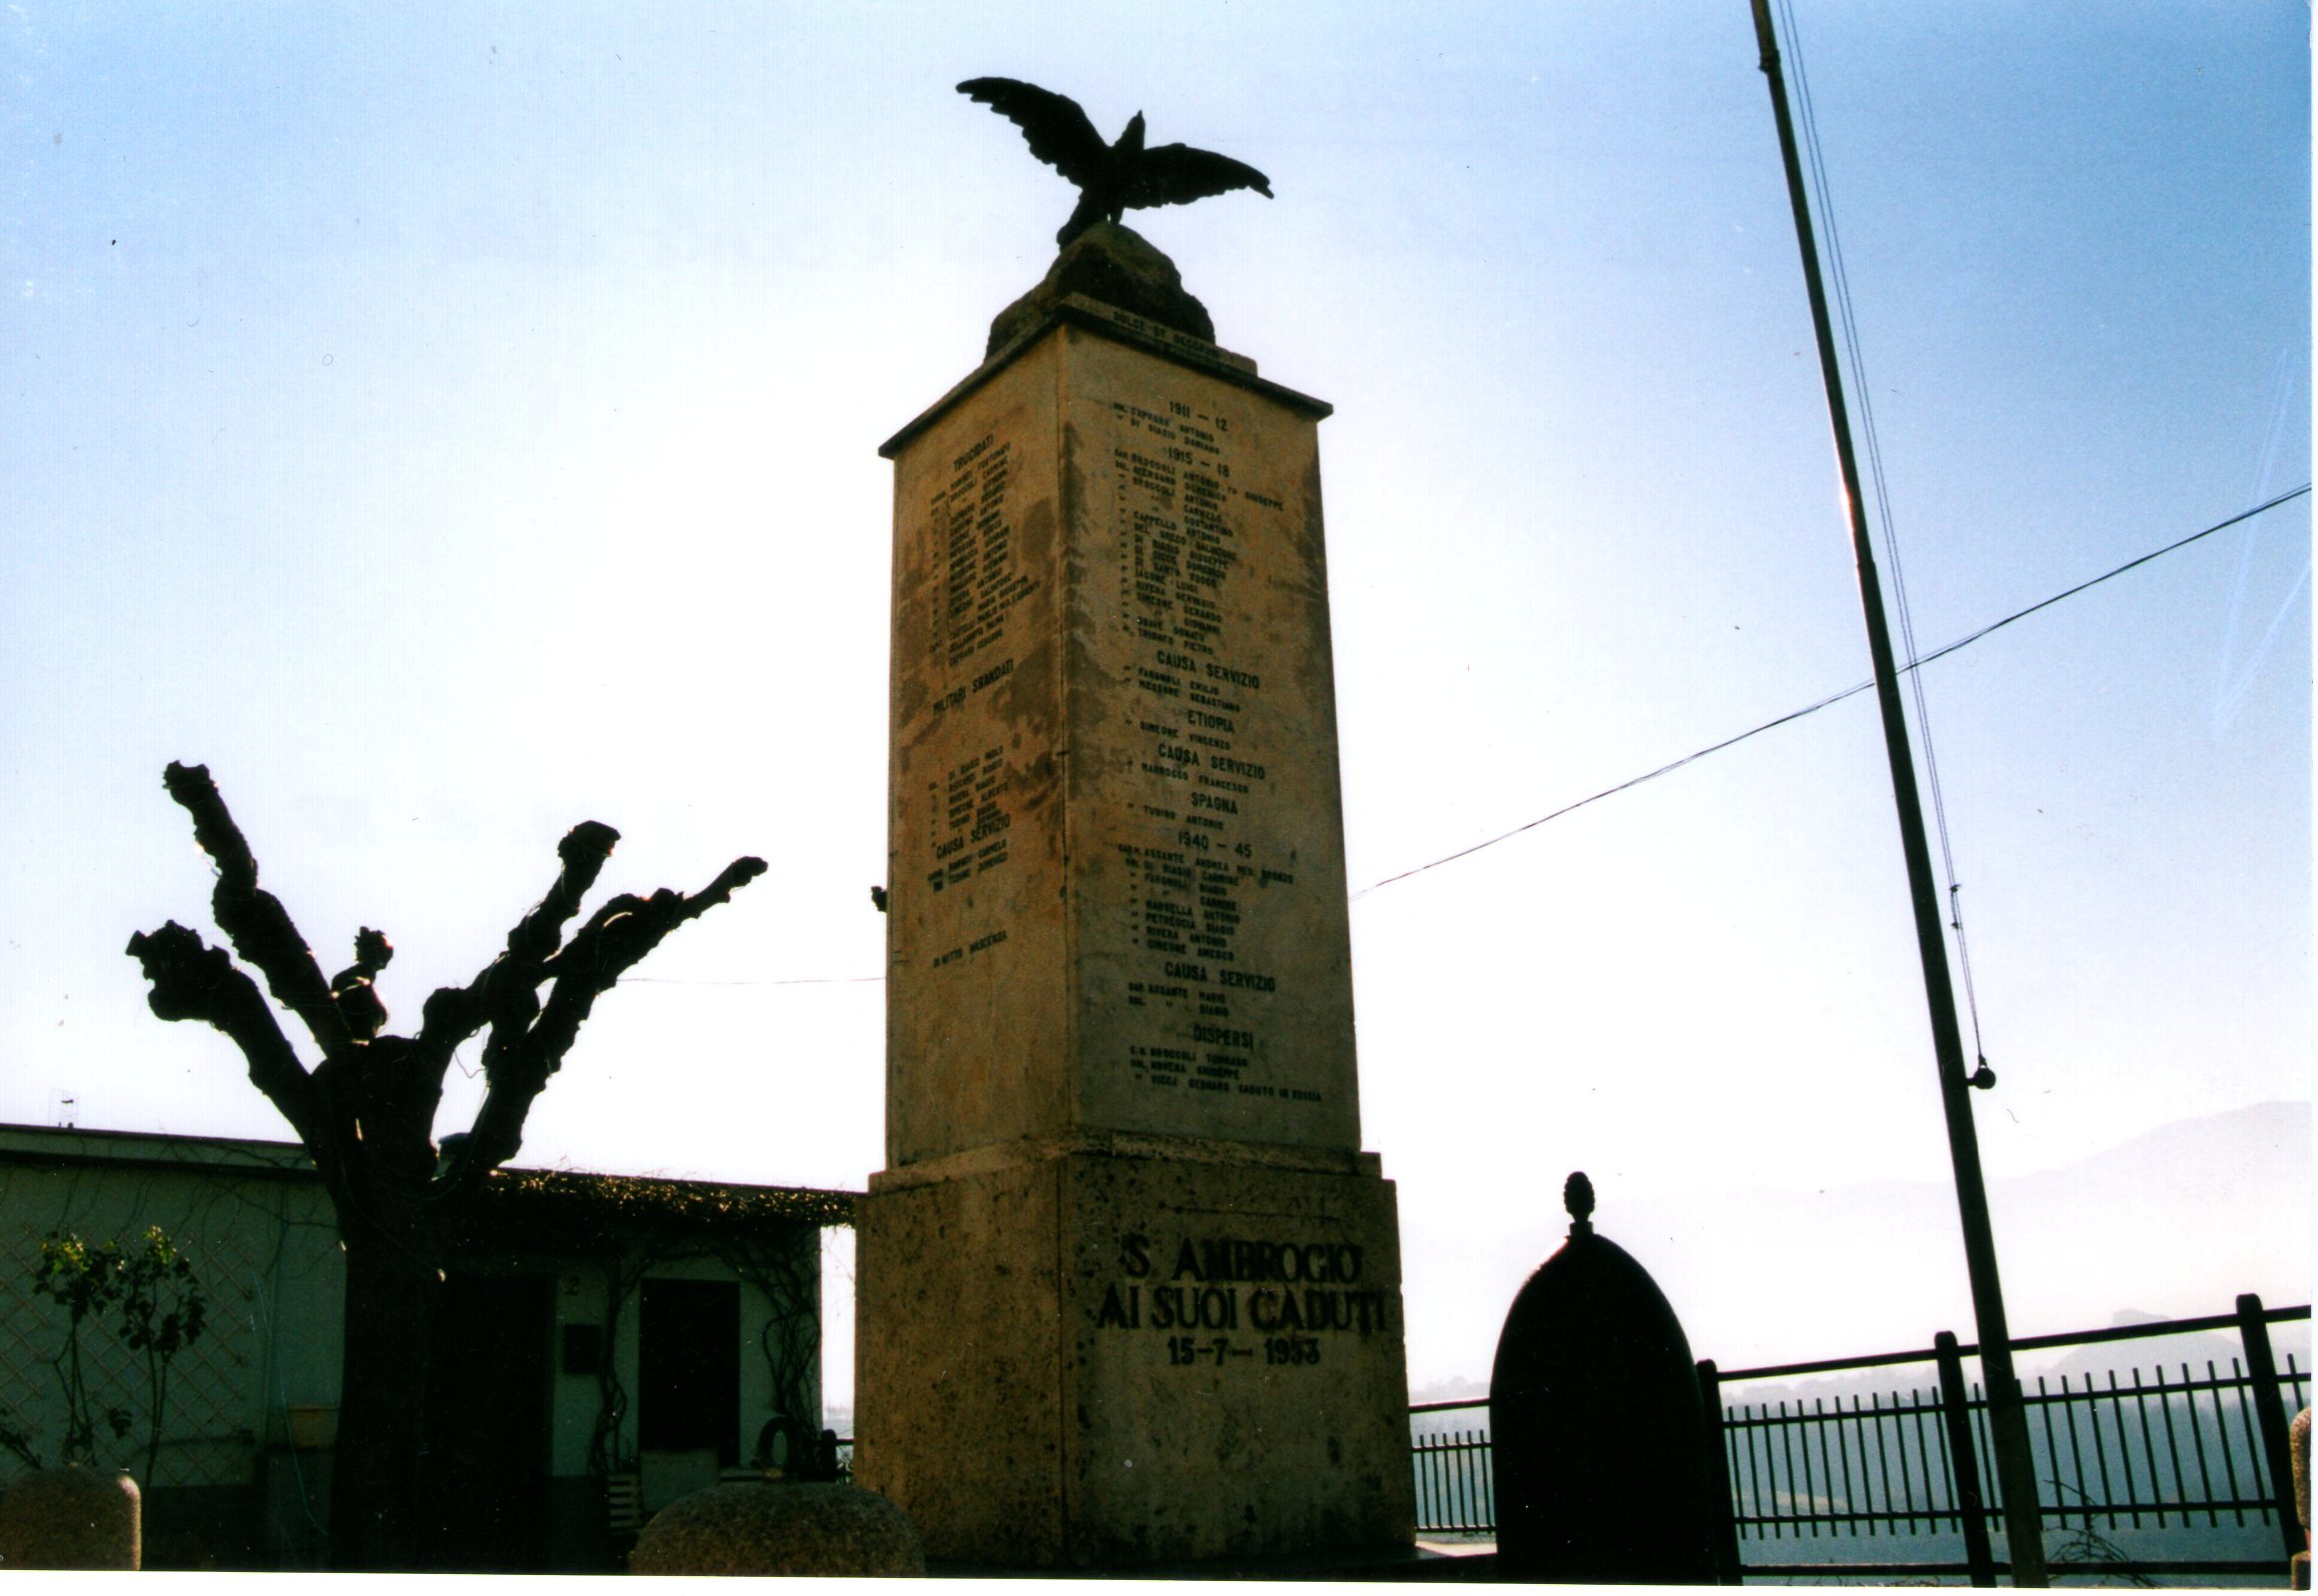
[[78, 1518], [2300, 1443], [819, 1529]]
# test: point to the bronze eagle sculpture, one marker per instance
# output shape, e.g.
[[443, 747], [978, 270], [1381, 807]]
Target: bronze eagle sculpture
[[1112, 178]]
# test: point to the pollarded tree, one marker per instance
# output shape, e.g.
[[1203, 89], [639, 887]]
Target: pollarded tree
[[365, 1113]]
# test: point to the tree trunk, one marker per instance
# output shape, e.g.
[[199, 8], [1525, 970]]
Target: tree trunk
[[375, 1502]]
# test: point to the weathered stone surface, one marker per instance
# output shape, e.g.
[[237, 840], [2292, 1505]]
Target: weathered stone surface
[[1117, 876], [779, 1529], [1118, 265], [1097, 1359], [1130, 1290], [57, 1518], [2298, 1447]]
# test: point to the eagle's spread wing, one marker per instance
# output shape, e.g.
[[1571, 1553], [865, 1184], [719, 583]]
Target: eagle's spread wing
[[1057, 128], [1176, 174]]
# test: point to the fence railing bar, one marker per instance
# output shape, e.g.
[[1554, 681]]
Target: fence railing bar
[[1799, 1484], [1881, 1491], [2197, 1439], [1900, 1427], [1845, 1437], [2089, 1399], [2221, 1417], [2149, 1442], [1883, 1454], [2076, 1444], [1445, 1466], [1784, 1478], [2173, 1443], [1835, 1466], [2024, 1344], [1899, 1505], [1734, 1471], [1927, 1427], [2124, 1448], [1991, 1487], [1947, 1480], [1822, 1490], [1853, 1498], [2043, 1409], [2080, 1412], [1753, 1480]]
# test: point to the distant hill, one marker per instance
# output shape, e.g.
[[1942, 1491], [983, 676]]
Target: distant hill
[[2173, 1224]]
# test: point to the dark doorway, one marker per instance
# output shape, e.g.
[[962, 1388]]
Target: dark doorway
[[487, 1424], [691, 1376]]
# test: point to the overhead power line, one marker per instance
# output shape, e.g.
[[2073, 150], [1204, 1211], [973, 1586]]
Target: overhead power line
[[1652, 775], [1837, 698]]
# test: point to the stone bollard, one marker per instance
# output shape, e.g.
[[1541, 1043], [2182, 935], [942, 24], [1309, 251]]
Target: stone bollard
[[1599, 1435], [83, 1518], [779, 1528]]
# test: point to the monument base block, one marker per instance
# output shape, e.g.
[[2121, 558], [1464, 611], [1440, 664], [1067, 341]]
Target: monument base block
[[1121, 1350]]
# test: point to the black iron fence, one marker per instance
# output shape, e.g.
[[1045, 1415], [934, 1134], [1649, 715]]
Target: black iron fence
[[2173, 1466]]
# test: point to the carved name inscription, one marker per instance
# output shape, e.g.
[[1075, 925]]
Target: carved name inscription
[[1118, 871], [1202, 838], [976, 582]]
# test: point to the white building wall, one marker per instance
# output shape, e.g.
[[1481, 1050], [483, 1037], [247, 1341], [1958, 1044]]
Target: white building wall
[[265, 1251], [258, 1227]]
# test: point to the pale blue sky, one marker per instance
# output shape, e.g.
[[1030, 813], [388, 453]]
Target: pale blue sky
[[452, 422]]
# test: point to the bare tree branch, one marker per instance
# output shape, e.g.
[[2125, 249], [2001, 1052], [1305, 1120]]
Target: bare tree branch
[[260, 927], [193, 981], [504, 995], [518, 1064]]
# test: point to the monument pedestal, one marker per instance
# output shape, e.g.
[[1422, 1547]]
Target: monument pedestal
[[1129, 1293], [1112, 1358]]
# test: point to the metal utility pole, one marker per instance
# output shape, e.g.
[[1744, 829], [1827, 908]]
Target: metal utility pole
[[2009, 1420]]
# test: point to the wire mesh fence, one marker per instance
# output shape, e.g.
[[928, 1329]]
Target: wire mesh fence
[[205, 1435]]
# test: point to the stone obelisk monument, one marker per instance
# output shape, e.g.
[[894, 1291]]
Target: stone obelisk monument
[[1130, 1290]]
